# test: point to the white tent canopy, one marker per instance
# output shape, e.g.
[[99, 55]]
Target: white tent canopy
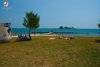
[[4, 34]]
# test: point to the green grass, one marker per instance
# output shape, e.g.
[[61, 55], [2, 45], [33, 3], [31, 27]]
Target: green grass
[[42, 52]]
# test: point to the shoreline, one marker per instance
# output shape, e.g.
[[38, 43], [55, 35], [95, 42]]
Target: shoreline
[[56, 35], [38, 35]]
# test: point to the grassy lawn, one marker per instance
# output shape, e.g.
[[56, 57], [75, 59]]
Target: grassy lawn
[[42, 52]]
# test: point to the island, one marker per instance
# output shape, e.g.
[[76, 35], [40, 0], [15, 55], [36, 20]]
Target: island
[[66, 27]]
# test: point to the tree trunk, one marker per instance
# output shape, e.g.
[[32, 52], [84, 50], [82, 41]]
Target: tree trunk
[[30, 33], [34, 31]]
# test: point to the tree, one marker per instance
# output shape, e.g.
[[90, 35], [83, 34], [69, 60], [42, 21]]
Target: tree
[[31, 21]]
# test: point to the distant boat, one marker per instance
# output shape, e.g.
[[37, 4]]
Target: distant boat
[[5, 32]]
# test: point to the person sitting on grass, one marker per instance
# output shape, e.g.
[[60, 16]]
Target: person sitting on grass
[[67, 38]]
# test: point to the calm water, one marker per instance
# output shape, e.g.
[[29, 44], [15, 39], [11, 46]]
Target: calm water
[[65, 32]]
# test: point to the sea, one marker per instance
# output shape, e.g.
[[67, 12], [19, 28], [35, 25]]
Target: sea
[[56, 31]]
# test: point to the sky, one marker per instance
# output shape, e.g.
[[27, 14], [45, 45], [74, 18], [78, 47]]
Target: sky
[[53, 13]]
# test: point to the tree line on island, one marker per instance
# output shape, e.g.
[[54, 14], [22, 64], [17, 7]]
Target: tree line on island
[[66, 27], [99, 25]]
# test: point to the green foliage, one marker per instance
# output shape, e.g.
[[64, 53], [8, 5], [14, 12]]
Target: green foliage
[[31, 21]]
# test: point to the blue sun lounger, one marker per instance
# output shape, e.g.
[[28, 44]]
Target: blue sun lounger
[[23, 38]]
